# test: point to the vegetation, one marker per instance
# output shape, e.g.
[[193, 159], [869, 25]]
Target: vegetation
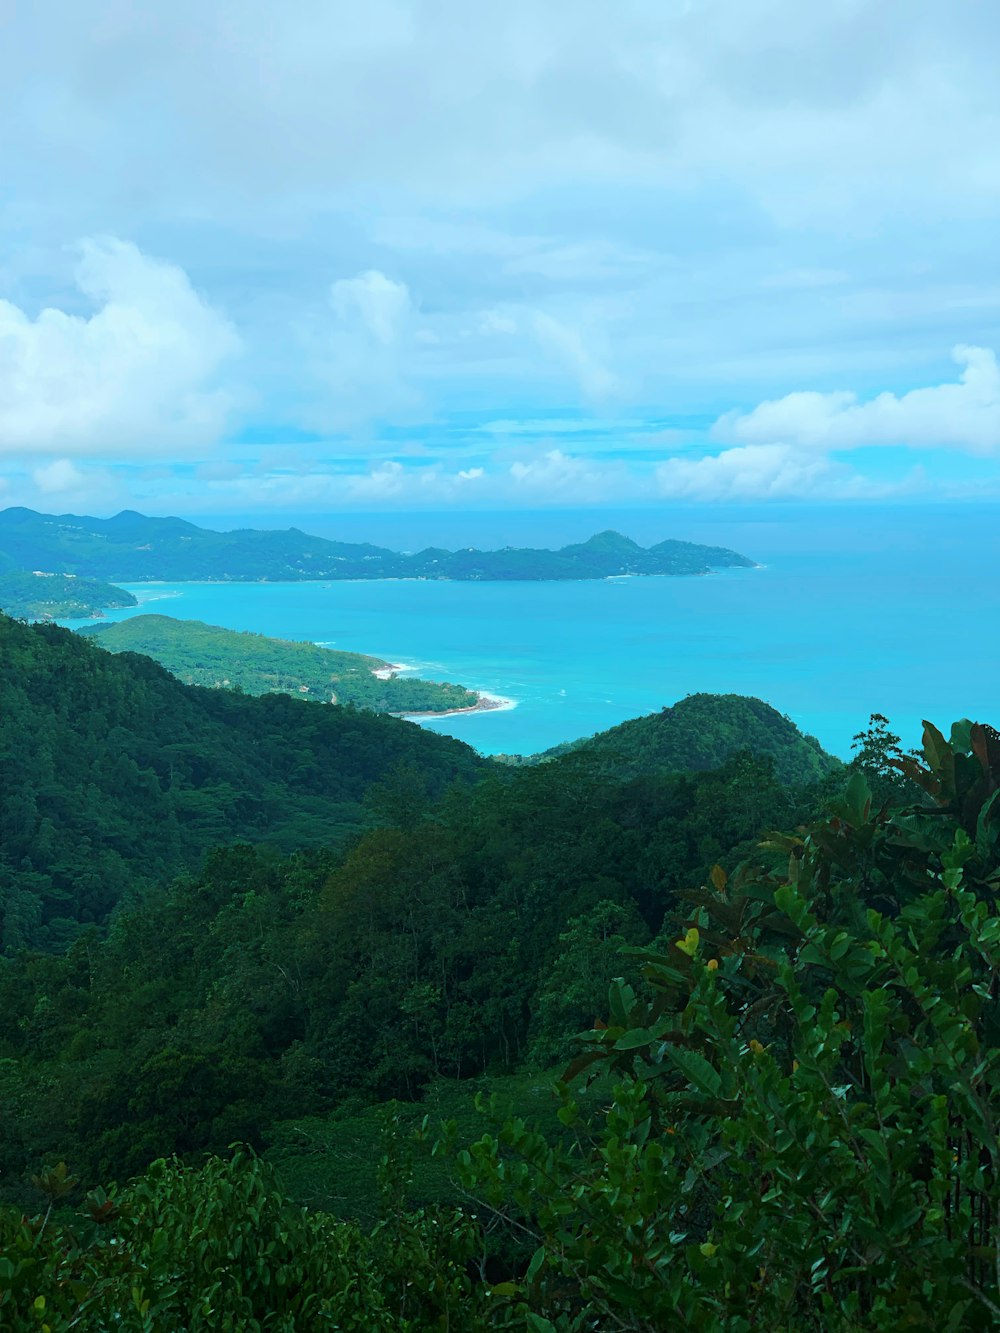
[[131, 548], [201, 654], [35, 596], [804, 1134], [702, 731], [115, 776], [782, 1098]]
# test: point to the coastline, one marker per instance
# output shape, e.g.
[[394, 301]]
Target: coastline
[[388, 670], [487, 703]]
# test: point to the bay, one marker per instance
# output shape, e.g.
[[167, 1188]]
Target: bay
[[853, 612]]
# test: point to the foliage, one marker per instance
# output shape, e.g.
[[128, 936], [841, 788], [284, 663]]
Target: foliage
[[805, 1130], [264, 988], [34, 596], [201, 654], [790, 1118], [116, 775], [131, 548], [703, 731], [219, 1250], [589, 958], [878, 758]]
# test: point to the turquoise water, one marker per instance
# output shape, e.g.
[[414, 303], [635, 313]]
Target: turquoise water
[[848, 616]]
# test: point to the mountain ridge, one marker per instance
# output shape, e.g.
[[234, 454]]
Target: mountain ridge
[[134, 548]]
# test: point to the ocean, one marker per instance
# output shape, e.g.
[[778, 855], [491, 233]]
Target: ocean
[[853, 611]]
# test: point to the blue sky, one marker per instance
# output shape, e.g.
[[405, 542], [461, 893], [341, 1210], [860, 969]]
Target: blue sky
[[321, 256]]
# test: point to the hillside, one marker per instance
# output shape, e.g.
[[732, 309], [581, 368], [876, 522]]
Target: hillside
[[702, 732], [38, 596], [737, 1001], [113, 770], [132, 548], [201, 654]]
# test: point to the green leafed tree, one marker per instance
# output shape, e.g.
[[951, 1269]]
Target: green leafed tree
[[804, 1131]]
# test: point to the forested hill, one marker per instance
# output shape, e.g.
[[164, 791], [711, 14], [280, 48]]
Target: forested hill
[[34, 595], [201, 654], [702, 732], [736, 1003], [110, 769], [132, 548]]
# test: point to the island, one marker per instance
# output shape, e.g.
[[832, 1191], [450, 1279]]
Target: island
[[133, 548], [200, 654], [40, 595]]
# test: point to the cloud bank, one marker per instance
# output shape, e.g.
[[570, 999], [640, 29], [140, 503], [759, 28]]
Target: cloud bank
[[402, 248], [963, 415], [138, 375]]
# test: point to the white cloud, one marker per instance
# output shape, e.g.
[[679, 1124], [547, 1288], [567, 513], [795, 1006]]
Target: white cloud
[[552, 426], [758, 471], [135, 376], [807, 106], [366, 356], [381, 304], [385, 482], [712, 169], [556, 476], [389, 482], [961, 415], [58, 476]]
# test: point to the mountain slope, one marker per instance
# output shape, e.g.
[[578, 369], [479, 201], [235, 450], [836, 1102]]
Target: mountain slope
[[109, 766], [131, 548], [702, 732]]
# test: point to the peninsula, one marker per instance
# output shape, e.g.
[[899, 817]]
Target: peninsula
[[38, 595], [132, 548], [200, 654]]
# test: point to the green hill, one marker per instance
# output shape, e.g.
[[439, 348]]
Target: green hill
[[702, 732], [111, 767], [132, 548], [37, 596], [201, 654]]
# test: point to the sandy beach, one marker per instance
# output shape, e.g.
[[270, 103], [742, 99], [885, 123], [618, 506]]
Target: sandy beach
[[487, 703]]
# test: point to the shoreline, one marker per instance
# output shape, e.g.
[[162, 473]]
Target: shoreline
[[487, 703]]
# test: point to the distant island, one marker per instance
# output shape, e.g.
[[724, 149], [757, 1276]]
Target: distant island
[[200, 654], [38, 595], [132, 548]]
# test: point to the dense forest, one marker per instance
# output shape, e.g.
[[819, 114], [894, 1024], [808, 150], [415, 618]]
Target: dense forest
[[131, 548], [700, 732], [566, 1046], [113, 775], [201, 654]]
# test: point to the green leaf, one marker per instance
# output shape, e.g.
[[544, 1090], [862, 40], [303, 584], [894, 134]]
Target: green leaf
[[696, 1069], [537, 1259], [538, 1324]]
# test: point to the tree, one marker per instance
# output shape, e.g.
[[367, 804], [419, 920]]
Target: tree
[[803, 1131]]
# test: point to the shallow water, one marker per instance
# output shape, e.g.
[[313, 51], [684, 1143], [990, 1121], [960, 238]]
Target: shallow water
[[851, 614]]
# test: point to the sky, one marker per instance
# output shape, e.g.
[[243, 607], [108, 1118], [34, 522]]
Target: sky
[[420, 254]]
